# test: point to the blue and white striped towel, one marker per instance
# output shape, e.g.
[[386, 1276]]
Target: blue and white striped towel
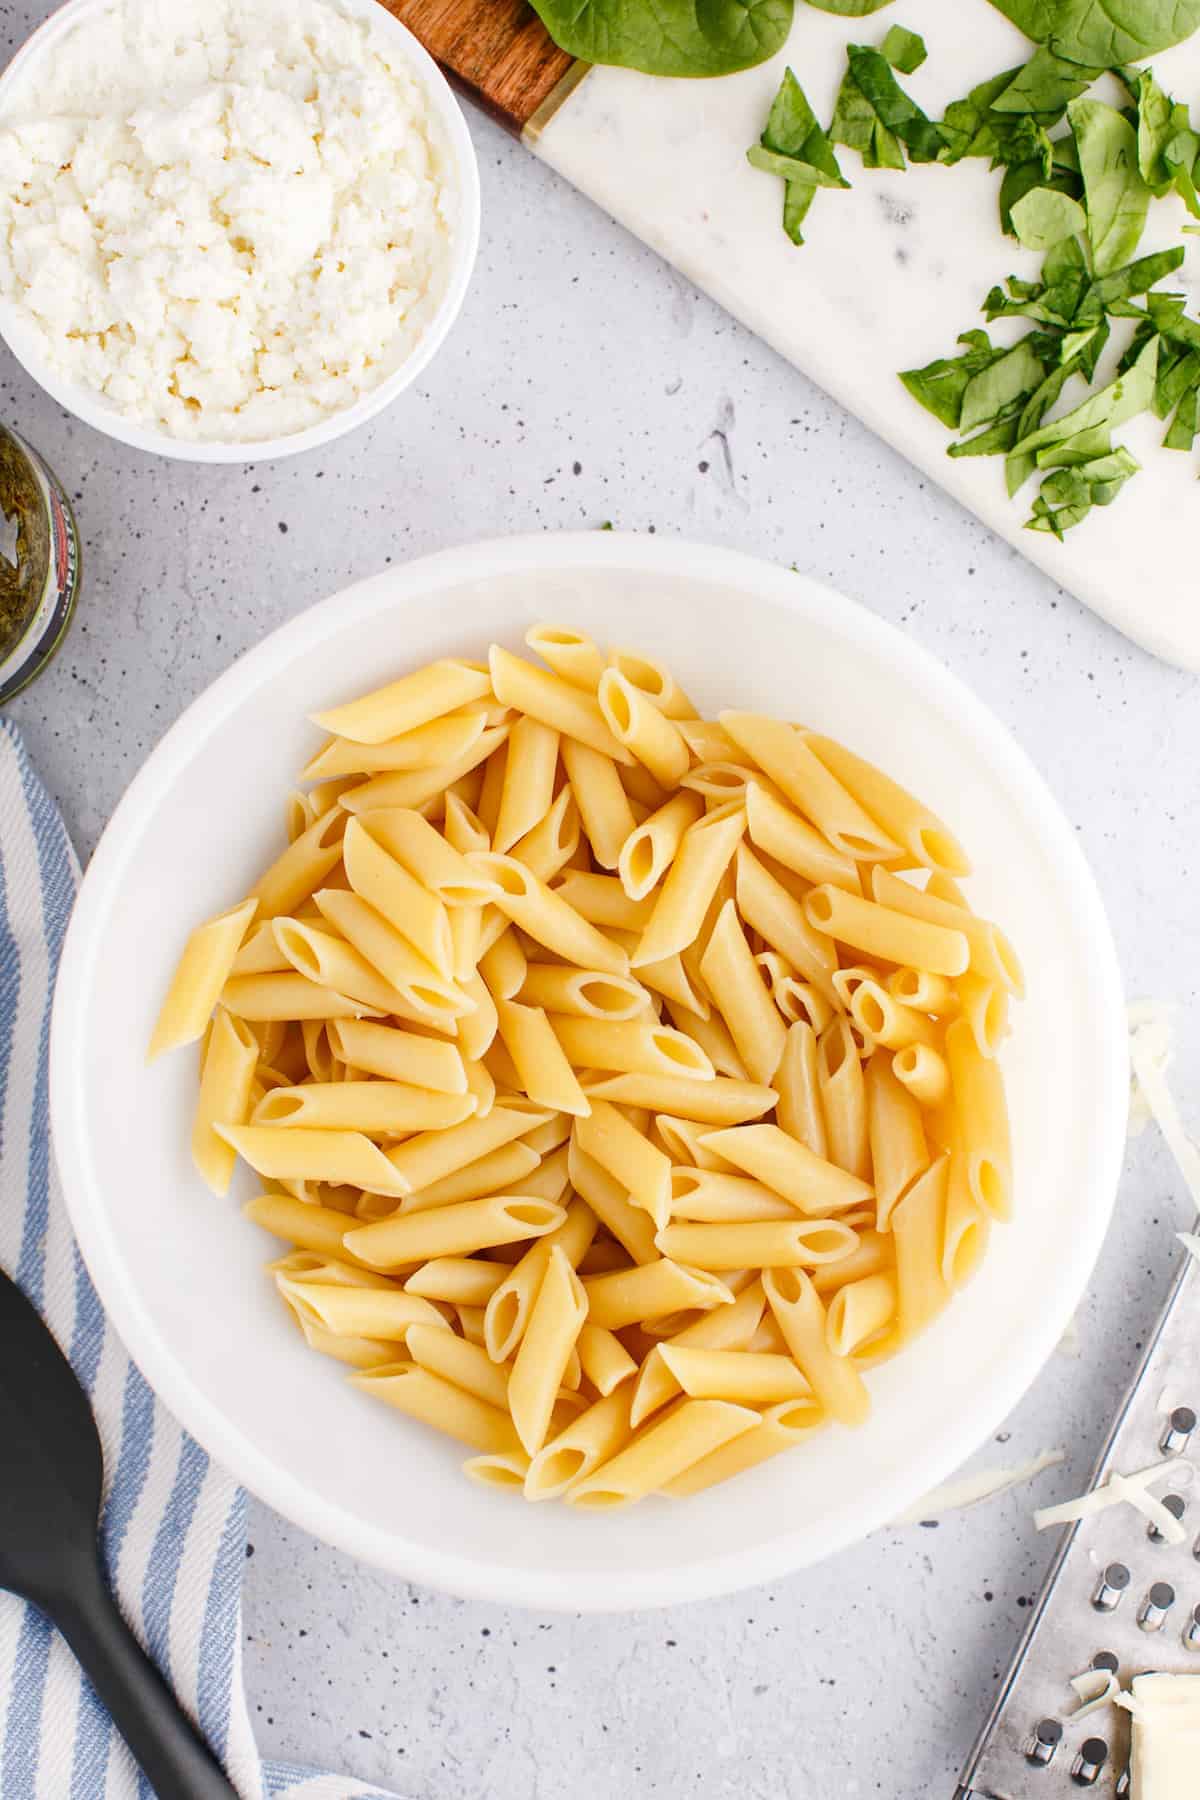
[[173, 1525]]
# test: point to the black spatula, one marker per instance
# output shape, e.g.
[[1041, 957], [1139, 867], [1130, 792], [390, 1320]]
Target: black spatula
[[50, 1487]]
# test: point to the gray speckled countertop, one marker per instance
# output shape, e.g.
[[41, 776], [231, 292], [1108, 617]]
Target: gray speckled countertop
[[588, 382]]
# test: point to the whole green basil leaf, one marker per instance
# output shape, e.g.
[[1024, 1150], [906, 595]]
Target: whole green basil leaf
[[1043, 217], [1116, 196], [1105, 33], [669, 37]]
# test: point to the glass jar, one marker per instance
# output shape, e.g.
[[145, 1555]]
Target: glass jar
[[39, 563]]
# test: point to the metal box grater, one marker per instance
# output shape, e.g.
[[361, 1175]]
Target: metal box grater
[[1116, 1592]]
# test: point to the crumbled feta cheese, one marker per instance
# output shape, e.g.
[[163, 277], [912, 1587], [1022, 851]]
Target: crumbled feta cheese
[[230, 218]]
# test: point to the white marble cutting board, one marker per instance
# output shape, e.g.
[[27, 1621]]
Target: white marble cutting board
[[890, 273]]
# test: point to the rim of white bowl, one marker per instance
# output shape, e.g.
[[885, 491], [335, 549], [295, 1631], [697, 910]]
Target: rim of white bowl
[[608, 1589], [92, 409]]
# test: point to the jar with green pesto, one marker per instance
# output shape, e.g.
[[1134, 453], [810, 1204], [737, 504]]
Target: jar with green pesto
[[39, 563]]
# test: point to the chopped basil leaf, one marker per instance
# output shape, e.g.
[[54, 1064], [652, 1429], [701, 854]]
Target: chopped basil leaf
[[877, 118], [1182, 431], [997, 388], [904, 49], [1045, 85], [941, 385], [794, 147], [1043, 217], [1117, 198], [849, 9]]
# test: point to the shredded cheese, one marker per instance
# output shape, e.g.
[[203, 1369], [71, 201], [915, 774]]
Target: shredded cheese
[[1095, 1688], [967, 1490], [1132, 1488]]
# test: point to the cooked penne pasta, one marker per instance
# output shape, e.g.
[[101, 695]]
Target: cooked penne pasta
[[549, 919], [510, 1306], [404, 981], [554, 702], [859, 1312], [898, 1149], [780, 751], [316, 1228], [885, 1020], [982, 1113], [604, 1359], [630, 1225], [924, 992], [779, 918], [738, 993], [919, 1229], [419, 787], [401, 1056], [461, 1280], [502, 964], [685, 1436], [281, 1152], [452, 1230], [683, 1141], [442, 1404], [381, 1108], [544, 1072], [717, 1102], [260, 953], [712, 1035], [924, 1073], [786, 1166], [636, 722], [203, 971], [776, 1244], [967, 1226], [603, 804], [555, 1321], [302, 868], [894, 936], [268, 998], [781, 1428], [743, 1376], [873, 1255], [778, 832], [384, 1314], [509, 1170], [585, 1442], [918, 832], [631, 1047], [648, 850], [459, 1360], [582, 993], [843, 1099], [569, 653], [709, 1197], [226, 1081], [528, 787], [991, 954], [649, 1291], [650, 678], [985, 1008], [431, 1155], [643, 1171], [425, 747], [801, 1317], [797, 1079], [431, 859], [705, 852], [403, 705]]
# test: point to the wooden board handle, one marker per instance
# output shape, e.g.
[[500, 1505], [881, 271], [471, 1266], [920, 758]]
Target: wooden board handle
[[498, 51]]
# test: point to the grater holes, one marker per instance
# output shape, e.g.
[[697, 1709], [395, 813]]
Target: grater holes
[[1088, 1766], [1105, 1662], [1176, 1506], [1040, 1748], [1124, 1785], [1180, 1427], [1191, 1631], [1111, 1588], [1156, 1606]]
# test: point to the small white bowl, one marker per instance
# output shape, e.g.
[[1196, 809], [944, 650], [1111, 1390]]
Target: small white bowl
[[182, 1273], [94, 410]]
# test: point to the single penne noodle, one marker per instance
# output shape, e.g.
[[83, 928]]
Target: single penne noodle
[[509, 1307], [741, 998], [644, 1172], [895, 936], [528, 788], [316, 1228], [843, 1099], [580, 1446], [426, 747], [502, 1171], [491, 788], [778, 832], [815, 1187], [298, 815], [569, 653], [458, 1360], [924, 992], [304, 865], [582, 993], [777, 1244], [464, 830], [725, 1328], [683, 1141], [434, 1154], [202, 972], [637, 723], [428, 857], [718, 1102], [885, 1020], [967, 1226], [711, 1198], [460, 1280], [549, 1339], [280, 1152], [354, 1352], [919, 1229], [551, 1179], [481, 1084], [780, 751], [324, 798], [477, 1028], [402, 1056], [312, 1269], [649, 1291], [768, 1340], [408, 906], [898, 1149], [539, 1059], [858, 1312], [414, 788], [376, 1107], [554, 840], [648, 851], [924, 1073], [919, 832], [847, 981], [708, 741], [779, 918], [601, 900], [705, 851], [412, 701], [656, 683], [631, 1046], [604, 1359], [603, 803], [549, 919], [555, 702], [985, 1008], [503, 965], [874, 1254], [226, 1080], [371, 1312], [670, 978], [550, 1136], [801, 1002], [457, 1230], [781, 1428], [448, 1408], [686, 1435], [632, 1227], [645, 794], [979, 1102], [333, 963], [720, 782], [745, 1377], [503, 1070], [260, 953], [506, 1470], [422, 990], [800, 1315], [797, 1078], [991, 954]]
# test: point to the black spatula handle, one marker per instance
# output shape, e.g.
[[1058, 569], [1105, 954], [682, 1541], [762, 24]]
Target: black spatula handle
[[177, 1763]]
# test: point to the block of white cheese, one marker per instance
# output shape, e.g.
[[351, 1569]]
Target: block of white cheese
[[1166, 1737]]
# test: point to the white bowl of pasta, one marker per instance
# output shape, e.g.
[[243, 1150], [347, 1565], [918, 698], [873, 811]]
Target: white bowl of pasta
[[460, 1044]]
